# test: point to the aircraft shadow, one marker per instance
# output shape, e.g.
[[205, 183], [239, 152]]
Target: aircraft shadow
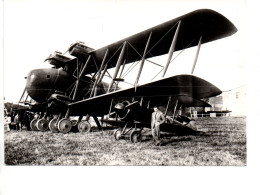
[[168, 138]]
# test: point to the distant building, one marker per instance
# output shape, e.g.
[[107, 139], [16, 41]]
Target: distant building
[[233, 100]]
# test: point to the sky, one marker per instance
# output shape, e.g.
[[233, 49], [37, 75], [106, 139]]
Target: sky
[[33, 29]]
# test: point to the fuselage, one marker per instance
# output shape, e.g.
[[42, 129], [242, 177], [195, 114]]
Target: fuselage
[[42, 83]]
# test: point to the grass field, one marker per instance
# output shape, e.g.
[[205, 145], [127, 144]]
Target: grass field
[[222, 141]]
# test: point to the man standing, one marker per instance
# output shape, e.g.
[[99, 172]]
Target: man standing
[[8, 122], [157, 119], [27, 120], [17, 121]]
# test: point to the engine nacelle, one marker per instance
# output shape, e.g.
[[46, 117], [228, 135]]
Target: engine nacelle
[[80, 50], [122, 110], [58, 102], [127, 111]]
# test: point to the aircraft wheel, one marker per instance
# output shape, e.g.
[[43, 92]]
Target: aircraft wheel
[[42, 124], [118, 134], [84, 126], [52, 125], [135, 136], [64, 125], [33, 125]]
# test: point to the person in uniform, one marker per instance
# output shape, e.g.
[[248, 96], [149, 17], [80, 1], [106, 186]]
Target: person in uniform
[[17, 121], [158, 118]]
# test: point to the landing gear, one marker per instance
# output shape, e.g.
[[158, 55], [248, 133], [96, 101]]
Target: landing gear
[[52, 125], [136, 136], [33, 125], [84, 126], [42, 124], [118, 134], [64, 125], [61, 123]]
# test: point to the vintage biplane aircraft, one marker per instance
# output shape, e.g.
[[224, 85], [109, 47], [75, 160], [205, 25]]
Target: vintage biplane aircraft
[[75, 85]]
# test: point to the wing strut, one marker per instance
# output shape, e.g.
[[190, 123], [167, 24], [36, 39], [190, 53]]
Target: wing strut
[[99, 74], [172, 49], [110, 108], [77, 85], [119, 62], [26, 97], [85, 66], [22, 95], [175, 108], [166, 110], [122, 70], [197, 54], [142, 62], [120, 76], [80, 75], [102, 76]]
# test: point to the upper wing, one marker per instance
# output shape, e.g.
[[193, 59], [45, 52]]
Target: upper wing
[[206, 23], [187, 85]]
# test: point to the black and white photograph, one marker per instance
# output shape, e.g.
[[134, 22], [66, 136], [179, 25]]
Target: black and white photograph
[[120, 83]]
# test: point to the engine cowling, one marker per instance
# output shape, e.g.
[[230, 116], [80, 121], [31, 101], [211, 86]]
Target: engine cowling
[[58, 102], [42, 83], [133, 111], [122, 110]]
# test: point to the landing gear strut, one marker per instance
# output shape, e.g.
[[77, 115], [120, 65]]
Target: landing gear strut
[[135, 135]]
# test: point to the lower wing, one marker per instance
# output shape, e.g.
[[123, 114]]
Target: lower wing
[[179, 85]]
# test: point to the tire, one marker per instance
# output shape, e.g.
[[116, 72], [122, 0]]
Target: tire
[[84, 127], [52, 125], [64, 125], [33, 125], [136, 136], [118, 134], [42, 125]]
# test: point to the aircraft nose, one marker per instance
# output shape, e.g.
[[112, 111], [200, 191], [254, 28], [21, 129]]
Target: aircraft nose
[[31, 76], [37, 84], [41, 83]]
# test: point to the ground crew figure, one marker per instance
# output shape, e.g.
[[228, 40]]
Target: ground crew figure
[[16, 121], [12, 126], [27, 120], [8, 122], [158, 118]]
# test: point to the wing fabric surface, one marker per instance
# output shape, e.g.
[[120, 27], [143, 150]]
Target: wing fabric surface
[[206, 23], [187, 101], [186, 85]]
